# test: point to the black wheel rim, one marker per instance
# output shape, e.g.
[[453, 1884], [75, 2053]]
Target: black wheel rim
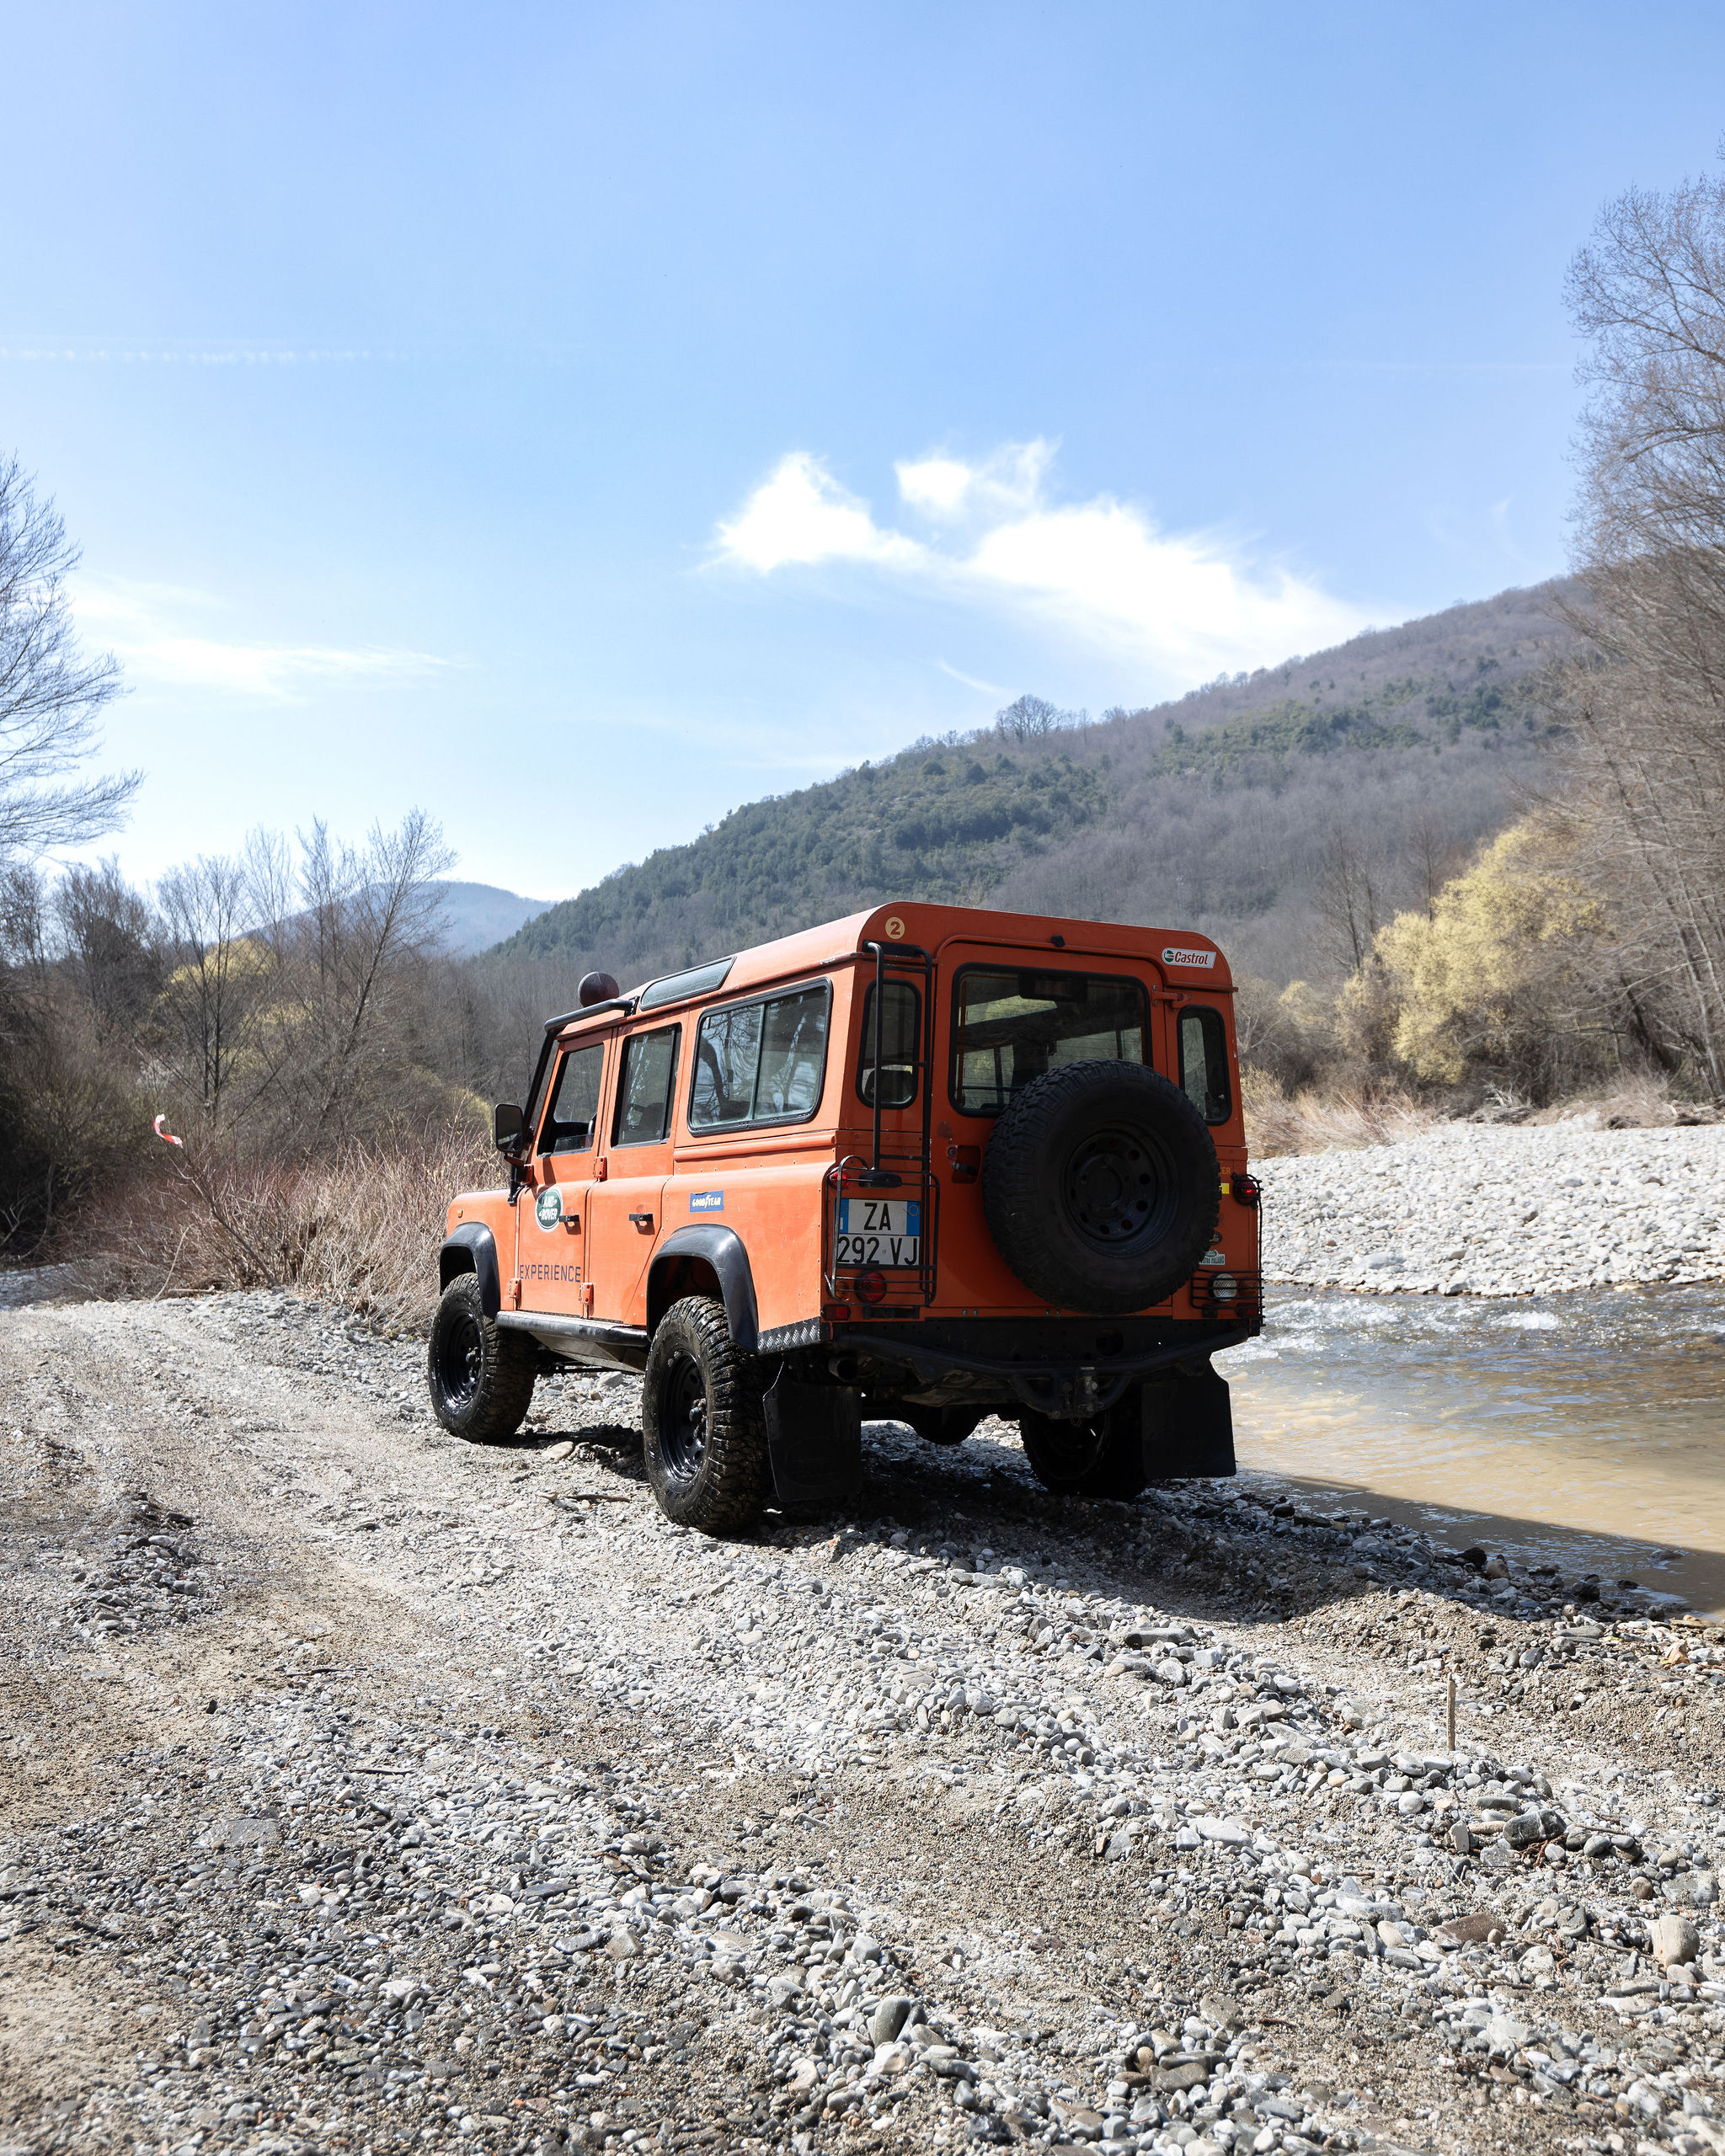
[[461, 1361], [682, 1421], [1118, 1188], [1068, 1450]]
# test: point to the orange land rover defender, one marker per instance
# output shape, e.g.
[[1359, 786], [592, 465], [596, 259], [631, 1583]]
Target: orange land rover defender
[[928, 1164]]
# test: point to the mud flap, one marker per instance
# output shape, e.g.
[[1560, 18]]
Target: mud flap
[[813, 1440], [1188, 1425]]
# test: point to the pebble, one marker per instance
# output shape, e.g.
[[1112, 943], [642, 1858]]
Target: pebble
[[1000, 1656], [1465, 1208]]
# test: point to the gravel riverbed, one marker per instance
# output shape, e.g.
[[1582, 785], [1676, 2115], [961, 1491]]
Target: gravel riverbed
[[1483, 1209], [365, 1791]]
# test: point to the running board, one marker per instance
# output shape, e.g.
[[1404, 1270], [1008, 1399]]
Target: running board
[[582, 1339]]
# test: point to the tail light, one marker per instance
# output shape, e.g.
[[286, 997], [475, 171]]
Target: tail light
[[871, 1287], [1246, 1189], [1223, 1288]]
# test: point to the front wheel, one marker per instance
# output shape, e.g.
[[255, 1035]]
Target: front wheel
[[1100, 1457], [702, 1428], [481, 1377]]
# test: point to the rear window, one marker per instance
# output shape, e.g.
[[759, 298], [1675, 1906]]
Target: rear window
[[1204, 1062], [901, 1045], [761, 1062], [1010, 1027]]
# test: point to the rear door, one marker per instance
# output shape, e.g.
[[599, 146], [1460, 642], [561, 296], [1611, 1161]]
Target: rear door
[[624, 1209]]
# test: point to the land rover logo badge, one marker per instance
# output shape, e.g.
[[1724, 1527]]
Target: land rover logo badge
[[547, 1207]]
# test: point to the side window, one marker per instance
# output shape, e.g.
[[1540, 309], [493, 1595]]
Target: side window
[[900, 1042], [574, 1105], [792, 1056], [726, 1049], [645, 1090], [1204, 1063], [761, 1062]]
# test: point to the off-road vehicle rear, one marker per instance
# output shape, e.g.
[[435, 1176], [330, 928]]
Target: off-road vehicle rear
[[929, 1164]]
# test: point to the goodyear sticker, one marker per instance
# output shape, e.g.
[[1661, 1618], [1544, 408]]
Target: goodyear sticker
[[547, 1207], [707, 1201]]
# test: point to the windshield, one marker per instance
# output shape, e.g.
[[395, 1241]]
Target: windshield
[[1011, 1027]]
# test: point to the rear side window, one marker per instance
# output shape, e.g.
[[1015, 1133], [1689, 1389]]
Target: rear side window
[[1204, 1063], [901, 1041], [761, 1062], [575, 1106], [1010, 1027], [644, 1092]]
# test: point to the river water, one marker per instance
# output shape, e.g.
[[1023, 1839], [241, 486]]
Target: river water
[[1586, 1431]]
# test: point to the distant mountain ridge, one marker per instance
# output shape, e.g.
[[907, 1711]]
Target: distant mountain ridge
[[1213, 813], [473, 916]]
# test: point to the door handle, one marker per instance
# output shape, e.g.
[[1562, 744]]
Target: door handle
[[643, 1221]]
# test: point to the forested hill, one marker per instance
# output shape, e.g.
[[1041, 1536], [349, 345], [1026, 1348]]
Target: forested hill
[[1216, 811]]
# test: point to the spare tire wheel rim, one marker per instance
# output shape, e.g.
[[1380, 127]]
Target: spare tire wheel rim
[[1117, 1188]]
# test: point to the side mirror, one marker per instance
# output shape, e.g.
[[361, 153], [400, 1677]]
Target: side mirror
[[505, 1124]]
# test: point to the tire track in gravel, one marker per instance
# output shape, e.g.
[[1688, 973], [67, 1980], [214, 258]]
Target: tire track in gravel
[[471, 1694]]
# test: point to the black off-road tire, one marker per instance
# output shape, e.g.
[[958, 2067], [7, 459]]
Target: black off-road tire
[[1101, 1187], [702, 1428], [481, 1377], [941, 1426], [1100, 1457]]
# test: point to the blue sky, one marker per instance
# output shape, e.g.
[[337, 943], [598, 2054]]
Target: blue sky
[[576, 422]]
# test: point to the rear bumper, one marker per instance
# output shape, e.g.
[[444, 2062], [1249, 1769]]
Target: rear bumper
[[1068, 1368]]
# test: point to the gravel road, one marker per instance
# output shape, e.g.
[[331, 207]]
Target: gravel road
[[364, 1791], [1478, 1209]]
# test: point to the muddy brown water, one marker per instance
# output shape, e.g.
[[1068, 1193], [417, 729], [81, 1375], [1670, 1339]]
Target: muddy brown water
[[1584, 1431]]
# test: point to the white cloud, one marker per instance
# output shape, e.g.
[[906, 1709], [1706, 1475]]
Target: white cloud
[[800, 514], [1005, 484], [145, 625], [970, 682], [1182, 607]]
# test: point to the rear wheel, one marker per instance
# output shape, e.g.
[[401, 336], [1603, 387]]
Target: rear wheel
[[1100, 1457], [481, 1378], [941, 1426], [703, 1433]]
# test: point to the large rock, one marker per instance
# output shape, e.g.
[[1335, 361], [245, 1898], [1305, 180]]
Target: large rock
[[1675, 1940]]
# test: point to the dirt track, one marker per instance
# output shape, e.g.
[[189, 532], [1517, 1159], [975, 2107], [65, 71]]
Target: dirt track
[[364, 1790]]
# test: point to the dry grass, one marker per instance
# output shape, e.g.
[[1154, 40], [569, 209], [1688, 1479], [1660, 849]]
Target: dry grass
[[361, 1228], [1313, 1122]]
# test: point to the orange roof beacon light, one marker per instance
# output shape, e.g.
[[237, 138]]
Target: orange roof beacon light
[[930, 1163]]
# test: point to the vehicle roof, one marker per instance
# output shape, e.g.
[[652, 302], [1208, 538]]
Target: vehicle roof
[[933, 927]]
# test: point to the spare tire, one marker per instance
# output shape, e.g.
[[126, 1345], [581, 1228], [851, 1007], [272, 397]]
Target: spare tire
[[1101, 1187]]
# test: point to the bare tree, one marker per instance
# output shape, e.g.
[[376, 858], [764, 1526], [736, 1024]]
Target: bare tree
[[1030, 718], [1644, 714], [1348, 900], [51, 694], [218, 983]]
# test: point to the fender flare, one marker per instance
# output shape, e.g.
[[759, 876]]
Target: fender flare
[[723, 1250], [473, 1248]]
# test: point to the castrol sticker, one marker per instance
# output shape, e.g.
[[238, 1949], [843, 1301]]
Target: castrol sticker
[[1171, 956]]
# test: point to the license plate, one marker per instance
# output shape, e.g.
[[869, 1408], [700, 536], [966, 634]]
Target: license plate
[[880, 1232]]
